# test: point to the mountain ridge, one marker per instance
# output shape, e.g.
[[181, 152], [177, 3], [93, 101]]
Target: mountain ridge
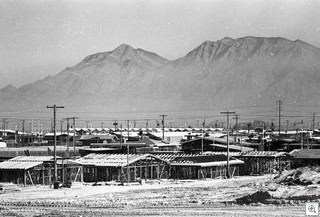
[[248, 70]]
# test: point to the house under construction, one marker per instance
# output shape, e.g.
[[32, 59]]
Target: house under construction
[[204, 166], [32, 170], [122, 167]]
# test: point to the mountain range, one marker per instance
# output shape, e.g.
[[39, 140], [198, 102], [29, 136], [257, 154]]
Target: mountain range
[[216, 74]]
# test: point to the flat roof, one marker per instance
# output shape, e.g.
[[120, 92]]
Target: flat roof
[[305, 154]]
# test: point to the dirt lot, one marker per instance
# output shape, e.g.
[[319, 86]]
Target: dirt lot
[[241, 196]]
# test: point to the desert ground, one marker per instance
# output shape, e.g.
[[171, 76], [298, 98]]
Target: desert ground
[[266, 195]]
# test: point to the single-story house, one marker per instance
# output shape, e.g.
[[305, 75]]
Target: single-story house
[[204, 166], [87, 140], [263, 162], [34, 170], [26, 170], [210, 144], [303, 157]]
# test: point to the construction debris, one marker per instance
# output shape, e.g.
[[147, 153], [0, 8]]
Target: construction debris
[[257, 197], [290, 187], [300, 176]]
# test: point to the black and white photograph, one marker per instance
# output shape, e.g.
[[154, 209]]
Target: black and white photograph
[[159, 108]]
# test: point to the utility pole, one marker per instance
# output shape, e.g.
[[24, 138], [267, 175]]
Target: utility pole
[[147, 125], [3, 128], [115, 124], [67, 139], [55, 175], [87, 124], [203, 124], [30, 133], [279, 113], [163, 125], [228, 113], [128, 172], [236, 126], [271, 125], [216, 123], [313, 120], [121, 136], [61, 133], [74, 135], [23, 122]]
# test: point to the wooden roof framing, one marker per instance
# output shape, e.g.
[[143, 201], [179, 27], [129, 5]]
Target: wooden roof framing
[[114, 160], [24, 162]]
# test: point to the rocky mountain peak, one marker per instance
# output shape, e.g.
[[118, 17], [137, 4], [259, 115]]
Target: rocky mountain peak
[[227, 41], [123, 50]]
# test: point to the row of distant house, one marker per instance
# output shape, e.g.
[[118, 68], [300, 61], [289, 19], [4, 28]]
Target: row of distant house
[[84, 130]]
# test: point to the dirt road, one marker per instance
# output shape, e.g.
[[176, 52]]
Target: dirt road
[[162, 198]]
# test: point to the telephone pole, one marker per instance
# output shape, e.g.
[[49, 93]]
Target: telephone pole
[[67, 139], [313, 120], [23, 122], [115, 124], [61, 133], [236, 126], [163, 125], [237, 131], [147, 126], [4, 128], [128, 172], [121, 136], [55, 175], [279, 113], [228, 113], [203, 125], [74, 135]]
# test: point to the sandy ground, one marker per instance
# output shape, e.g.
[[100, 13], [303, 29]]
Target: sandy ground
[[162, 198]]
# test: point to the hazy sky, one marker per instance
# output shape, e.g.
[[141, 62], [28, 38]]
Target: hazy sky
[[42, 37]]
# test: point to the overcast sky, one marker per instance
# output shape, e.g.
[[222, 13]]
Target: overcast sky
[[42, 37]]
